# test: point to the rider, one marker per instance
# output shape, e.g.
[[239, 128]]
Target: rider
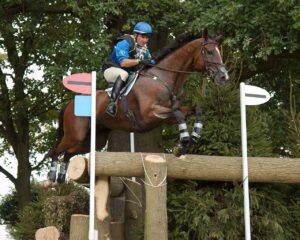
[[129, 53]]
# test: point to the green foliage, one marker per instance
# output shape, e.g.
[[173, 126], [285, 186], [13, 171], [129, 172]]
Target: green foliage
[[48, 208], [221, 122], [215, 211]]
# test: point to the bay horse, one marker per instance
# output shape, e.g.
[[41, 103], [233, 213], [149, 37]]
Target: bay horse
[[154, 99]]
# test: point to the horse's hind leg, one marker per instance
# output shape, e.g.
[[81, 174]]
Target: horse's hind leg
[[102, 135]]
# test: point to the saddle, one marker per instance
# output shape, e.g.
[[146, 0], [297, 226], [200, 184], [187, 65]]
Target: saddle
[[127, 87], [124, 92]]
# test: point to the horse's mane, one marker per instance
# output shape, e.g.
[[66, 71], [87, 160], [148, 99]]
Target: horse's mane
[[177, 43]]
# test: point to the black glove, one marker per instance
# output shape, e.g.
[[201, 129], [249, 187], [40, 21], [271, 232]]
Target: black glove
[[145, 61]]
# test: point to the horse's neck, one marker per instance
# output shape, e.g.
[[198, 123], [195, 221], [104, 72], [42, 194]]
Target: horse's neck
[[180, 60]]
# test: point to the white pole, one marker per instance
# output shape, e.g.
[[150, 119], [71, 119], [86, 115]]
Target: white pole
[[92, 159], [245, 162], [132, 148]]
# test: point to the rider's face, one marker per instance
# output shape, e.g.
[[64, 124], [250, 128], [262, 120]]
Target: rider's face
[[142, 40]]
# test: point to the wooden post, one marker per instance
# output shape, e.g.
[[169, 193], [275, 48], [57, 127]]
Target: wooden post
[[156, 223], [79, 227], [102, 207], [134, 209], [48, 233]]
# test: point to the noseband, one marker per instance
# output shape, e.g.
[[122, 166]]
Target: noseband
[[210, 65]]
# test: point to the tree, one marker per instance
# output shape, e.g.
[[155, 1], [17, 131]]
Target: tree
[[61, 37]]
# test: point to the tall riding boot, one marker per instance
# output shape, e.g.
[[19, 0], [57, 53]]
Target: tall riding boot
[[111, 109]]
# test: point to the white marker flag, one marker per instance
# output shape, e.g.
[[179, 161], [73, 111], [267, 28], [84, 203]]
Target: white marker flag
[[249, 95]]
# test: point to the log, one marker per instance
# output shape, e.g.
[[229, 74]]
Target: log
[[102, 198], [198, 167], [156, 223], [79, 170], [116, 186], [79, 227], [48, 233], [117, 230], [134, 209]]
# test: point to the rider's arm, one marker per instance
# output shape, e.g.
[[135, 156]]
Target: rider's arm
[[122, 54]]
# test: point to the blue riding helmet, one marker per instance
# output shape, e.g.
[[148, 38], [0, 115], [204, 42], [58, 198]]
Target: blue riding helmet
[[143, 28]]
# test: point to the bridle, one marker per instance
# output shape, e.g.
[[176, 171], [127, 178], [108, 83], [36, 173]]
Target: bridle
[[209, 65], [204, 53]]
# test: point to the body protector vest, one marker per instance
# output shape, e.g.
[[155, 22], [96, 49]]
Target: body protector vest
[[135, 52], [132, 53]]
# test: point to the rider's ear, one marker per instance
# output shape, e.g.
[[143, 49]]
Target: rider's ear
[[219, 39]]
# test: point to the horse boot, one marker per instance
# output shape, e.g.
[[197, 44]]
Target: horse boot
[[52, 172], [111, 108], [61, 178]]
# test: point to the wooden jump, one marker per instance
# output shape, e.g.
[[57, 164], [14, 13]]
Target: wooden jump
[[197, 167]]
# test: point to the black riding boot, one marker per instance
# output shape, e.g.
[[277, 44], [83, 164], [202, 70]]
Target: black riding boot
[[111, 109]]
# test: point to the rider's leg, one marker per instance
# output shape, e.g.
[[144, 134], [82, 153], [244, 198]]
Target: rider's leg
[[111, 109], [119, 77]]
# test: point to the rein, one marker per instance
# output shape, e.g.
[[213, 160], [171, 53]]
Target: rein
[[206, 62]]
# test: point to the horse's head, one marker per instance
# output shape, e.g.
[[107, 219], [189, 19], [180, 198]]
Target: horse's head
[[210, 60]]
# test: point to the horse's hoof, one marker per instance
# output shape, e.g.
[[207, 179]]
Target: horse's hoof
[[178, 150], [52, 176], [61, 178]]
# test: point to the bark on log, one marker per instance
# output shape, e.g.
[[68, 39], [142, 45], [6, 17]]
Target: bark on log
[[79, 227], [116, 186], [48, 233], [198, 167], [156, 223], [117, 230]]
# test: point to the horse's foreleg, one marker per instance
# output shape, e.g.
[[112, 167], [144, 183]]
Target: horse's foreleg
[[197, 126], [183, 131]]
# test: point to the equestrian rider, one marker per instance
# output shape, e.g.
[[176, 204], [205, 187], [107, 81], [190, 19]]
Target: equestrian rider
[[129, 53]]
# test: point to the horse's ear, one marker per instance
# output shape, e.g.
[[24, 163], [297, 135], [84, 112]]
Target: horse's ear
[[205, 34], [219, 39]]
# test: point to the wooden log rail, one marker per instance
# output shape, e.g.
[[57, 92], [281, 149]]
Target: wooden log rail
[[197, 167]]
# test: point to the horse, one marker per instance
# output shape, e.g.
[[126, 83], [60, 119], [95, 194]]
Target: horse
[[154, 99]]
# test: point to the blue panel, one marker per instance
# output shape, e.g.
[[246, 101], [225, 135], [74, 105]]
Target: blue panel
[[82, 106]]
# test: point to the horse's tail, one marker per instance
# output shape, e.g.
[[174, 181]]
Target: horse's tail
[[59, 133]]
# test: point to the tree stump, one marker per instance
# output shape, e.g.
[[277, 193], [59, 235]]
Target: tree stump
[[156, 224], [48, 233], [79, 227]]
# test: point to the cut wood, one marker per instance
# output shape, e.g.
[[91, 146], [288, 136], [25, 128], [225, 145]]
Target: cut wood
[[79, 227], [47, 233], [156, 223], [102, 198]]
